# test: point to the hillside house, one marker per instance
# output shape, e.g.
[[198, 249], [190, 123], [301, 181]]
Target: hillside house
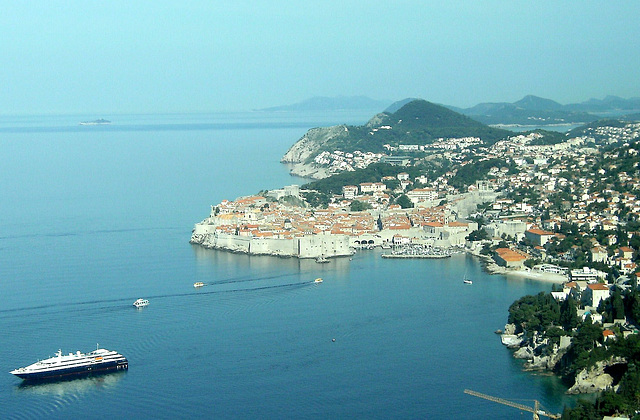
[[595, 293], [509, 258], [422, 194], [349, 192], [371, 187], [599, 254], [538, 236]]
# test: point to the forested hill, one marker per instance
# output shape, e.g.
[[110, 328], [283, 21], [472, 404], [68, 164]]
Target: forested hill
[[424, 120], [417, 122]]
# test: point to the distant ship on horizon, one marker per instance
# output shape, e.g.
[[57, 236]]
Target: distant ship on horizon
[[100, 121]]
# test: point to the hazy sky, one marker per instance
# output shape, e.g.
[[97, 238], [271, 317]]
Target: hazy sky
[[182, 56]]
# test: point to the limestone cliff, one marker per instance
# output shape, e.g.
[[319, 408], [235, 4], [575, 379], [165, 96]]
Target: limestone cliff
[[317, 138], [301, 154], [591, 380], [541, 355], [312, 142]]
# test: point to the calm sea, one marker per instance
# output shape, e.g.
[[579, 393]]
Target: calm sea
[[94, 217]]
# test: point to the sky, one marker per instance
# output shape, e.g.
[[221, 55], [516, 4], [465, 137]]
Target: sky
[[217, 55]]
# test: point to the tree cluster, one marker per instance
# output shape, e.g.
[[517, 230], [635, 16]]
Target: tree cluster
[[543, 315]]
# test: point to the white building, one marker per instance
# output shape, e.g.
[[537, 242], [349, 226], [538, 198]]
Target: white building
[[422, 194], [371, 187], [584, 274], [595, 293], [349, 192]]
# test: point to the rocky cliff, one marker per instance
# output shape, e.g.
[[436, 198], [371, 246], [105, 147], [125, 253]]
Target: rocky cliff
[[312, 142], [541, 355], [592, 380], [301, 154]]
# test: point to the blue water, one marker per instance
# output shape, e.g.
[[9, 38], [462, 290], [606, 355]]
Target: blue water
[[93, 218]]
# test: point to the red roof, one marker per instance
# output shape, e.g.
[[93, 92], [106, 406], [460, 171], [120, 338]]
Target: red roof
[[540, 232]]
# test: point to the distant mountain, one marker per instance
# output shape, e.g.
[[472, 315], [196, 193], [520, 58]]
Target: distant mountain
[[533, 110], [420, 119], [528, 111], [535, 103], [398, 104], [324, 103], [608, 105]]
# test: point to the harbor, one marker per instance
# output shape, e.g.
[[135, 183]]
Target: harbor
[[418, 251]]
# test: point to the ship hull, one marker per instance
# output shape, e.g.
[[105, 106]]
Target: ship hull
[[75, 371]]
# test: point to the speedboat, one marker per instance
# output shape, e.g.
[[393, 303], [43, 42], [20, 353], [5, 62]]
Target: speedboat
[[140, 303], [318, 280], [198, 284]]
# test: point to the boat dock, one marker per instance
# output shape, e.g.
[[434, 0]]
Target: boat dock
[[415, 256]]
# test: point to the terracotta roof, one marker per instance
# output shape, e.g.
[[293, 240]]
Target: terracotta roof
[[458, 224], [510, 255], [540, 232]]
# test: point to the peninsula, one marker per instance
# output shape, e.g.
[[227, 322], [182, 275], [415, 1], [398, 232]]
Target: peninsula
[[521, 201], [282, 223]]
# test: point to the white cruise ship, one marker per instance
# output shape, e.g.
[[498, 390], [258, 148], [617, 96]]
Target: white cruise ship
[[73, 364]]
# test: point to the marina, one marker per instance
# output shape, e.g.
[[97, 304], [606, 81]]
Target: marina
[[425, 256], [419, 251]]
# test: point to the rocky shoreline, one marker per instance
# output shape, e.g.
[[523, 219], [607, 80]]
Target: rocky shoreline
[[308, 171], [542, 356], [539, 354], [308, 146]]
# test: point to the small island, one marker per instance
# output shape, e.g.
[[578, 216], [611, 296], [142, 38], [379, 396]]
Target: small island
[[99, 121]]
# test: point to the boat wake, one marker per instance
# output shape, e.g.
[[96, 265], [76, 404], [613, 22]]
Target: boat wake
[[251, 279], [110, 304]]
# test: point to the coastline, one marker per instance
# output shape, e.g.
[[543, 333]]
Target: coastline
[[308, 171], [425, 256], [492, 268]]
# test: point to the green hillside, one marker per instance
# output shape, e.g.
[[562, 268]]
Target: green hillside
[[417, 122]]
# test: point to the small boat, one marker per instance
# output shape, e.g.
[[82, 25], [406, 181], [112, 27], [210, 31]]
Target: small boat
[[198, 284], [140, 303], [322, 259], [318, 280], [466, 280]]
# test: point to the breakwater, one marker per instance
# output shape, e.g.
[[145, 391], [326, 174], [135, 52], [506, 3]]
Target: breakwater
[[434, 256]]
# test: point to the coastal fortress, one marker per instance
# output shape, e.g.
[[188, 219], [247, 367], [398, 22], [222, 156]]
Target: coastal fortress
[[280, 223]]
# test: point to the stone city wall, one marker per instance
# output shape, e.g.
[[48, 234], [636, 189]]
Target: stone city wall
[[308, 246]]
